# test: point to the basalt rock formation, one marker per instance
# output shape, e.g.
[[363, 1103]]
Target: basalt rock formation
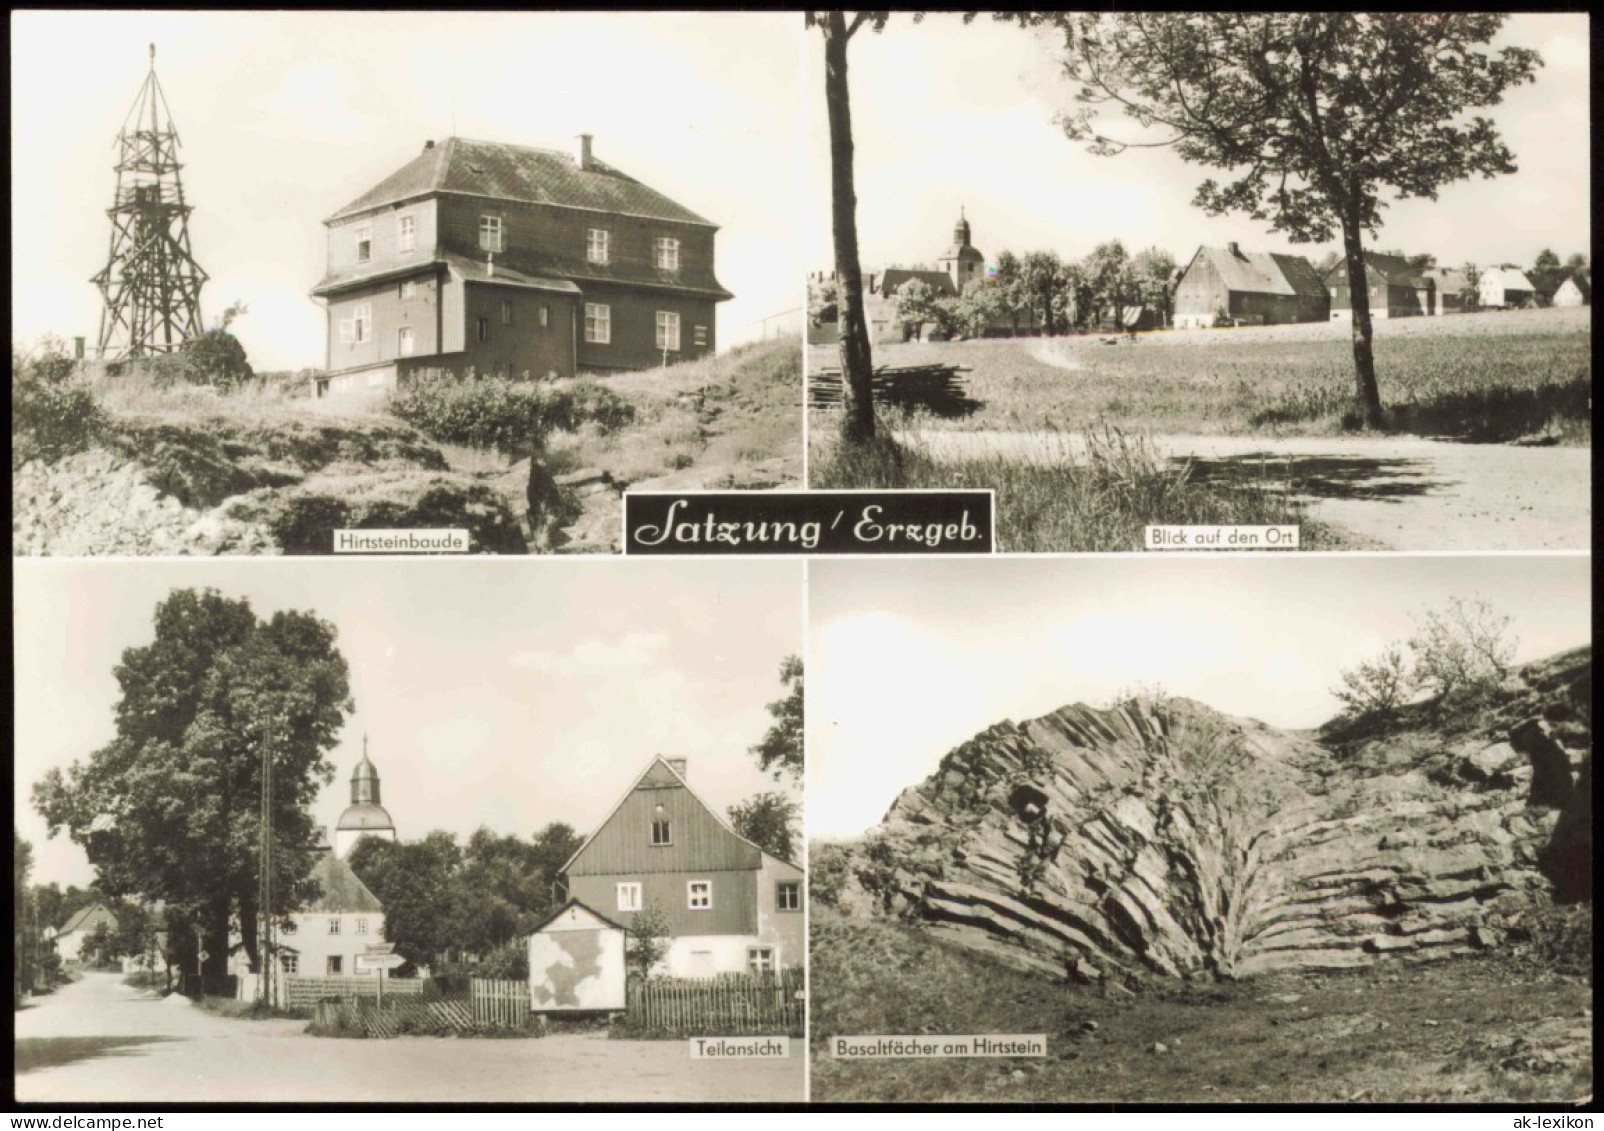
[[1163, 838]]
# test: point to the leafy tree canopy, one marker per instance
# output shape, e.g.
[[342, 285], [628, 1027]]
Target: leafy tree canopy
[[770, 821], [780, 751]]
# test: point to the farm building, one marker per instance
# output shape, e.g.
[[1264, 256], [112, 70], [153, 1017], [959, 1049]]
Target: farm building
[[1453, 291], [1397, 288], [324, 939], [576, 961], [1248, 287], [76, 931], [1574, 291], [1505, 287], [510, 260], [730, 906]]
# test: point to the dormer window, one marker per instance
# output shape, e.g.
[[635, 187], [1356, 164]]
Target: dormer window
[[667, 254], [596, 241], [490, 233], [364, 244]]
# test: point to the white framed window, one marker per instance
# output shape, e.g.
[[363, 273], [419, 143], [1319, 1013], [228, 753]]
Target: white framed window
[[667, 330], [407, 233], [666, 253], [361, 926], [788, 895], [289, 963], [506, 312], [699, 895], [334, 925], [598, 323], [596, 241], [364, 244], [629, 897], [405, 343], [490, 233], [699, 336], [760, 959], [409, 289], [359, 327], [335, 964], [660, 833]]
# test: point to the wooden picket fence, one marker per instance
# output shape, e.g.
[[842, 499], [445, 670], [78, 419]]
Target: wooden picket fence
[[726, 1006], [413, 1014], [937, 388], [502, 1004]]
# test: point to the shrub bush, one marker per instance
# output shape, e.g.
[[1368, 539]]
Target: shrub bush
[[53, 411], [513, 417], [1378, 687], [1463, 647]]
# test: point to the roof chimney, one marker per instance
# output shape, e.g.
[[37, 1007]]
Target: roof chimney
[[1233, 248], [582, 151], [429, 144], [680, 766]]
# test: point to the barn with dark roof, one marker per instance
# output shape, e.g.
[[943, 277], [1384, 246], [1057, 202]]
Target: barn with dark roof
[[1396, 287], [513, 261], [1248, 288]]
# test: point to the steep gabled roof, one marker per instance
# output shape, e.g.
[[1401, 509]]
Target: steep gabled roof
[[1264, 273], [893, 277], [583, 906], [516, 172], [658, 771], [1395, 269], [1449, 279], [341, 890], [1509, 277]]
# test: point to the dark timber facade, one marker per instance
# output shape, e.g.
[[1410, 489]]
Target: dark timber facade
[[515, 262]]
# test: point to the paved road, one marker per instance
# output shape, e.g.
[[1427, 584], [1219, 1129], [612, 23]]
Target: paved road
[[97, 1040], [1397, 493]]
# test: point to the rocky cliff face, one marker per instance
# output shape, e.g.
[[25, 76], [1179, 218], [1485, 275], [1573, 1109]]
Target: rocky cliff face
[[1160, 837]]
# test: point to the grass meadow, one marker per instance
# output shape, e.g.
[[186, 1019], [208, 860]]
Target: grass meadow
[[1489, 377]]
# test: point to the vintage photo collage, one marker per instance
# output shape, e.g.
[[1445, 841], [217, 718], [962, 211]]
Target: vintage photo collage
[[358, 760]]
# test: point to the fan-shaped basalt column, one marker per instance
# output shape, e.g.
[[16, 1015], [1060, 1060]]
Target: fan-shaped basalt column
[[1170, 839]]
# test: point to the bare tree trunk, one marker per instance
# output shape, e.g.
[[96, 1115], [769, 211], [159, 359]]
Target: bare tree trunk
[[857, 366], [1367, 395], [214, 924]]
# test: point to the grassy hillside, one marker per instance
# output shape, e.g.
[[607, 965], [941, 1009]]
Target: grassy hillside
[[1473, 1030], [733, 420]]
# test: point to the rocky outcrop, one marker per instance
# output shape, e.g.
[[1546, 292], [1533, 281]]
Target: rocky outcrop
[[1164, 838]]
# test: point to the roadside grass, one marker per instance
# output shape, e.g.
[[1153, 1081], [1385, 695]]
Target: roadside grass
[[1089, 493], [235, 1009], [1465, 1030], [726, 414], [1489, 378]]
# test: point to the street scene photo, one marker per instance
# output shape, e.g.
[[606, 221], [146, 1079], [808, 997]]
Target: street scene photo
[[468, 832]]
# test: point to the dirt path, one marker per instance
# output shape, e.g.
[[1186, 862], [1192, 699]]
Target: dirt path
[[98, 1040], [1401, 493]]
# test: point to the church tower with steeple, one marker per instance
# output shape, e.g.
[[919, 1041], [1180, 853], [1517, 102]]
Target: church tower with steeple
[[365, 816], [963, 262]]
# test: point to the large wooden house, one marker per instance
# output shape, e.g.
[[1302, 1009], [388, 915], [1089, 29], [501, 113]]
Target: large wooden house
[[730, 906], [1236, 287], [1396, 287], [513, 261]]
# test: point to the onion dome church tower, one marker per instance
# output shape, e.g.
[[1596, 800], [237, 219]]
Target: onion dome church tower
[[963, 261], [365, 816]]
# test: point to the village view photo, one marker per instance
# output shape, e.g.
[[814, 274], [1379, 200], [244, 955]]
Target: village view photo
[[273, 287], [472, 832], [1192, 269]]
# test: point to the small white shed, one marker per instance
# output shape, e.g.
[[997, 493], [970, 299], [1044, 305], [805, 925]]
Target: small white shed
[[576, 962]]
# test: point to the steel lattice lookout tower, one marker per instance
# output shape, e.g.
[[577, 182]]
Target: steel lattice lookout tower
[[151, 283]]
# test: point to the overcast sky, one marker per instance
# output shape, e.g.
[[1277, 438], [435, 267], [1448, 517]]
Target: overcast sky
[[907, 659], [508, 694], [946, 115], [285, 117]]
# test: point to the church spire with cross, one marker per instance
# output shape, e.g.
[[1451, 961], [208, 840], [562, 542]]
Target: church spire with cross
[[365, 816]]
